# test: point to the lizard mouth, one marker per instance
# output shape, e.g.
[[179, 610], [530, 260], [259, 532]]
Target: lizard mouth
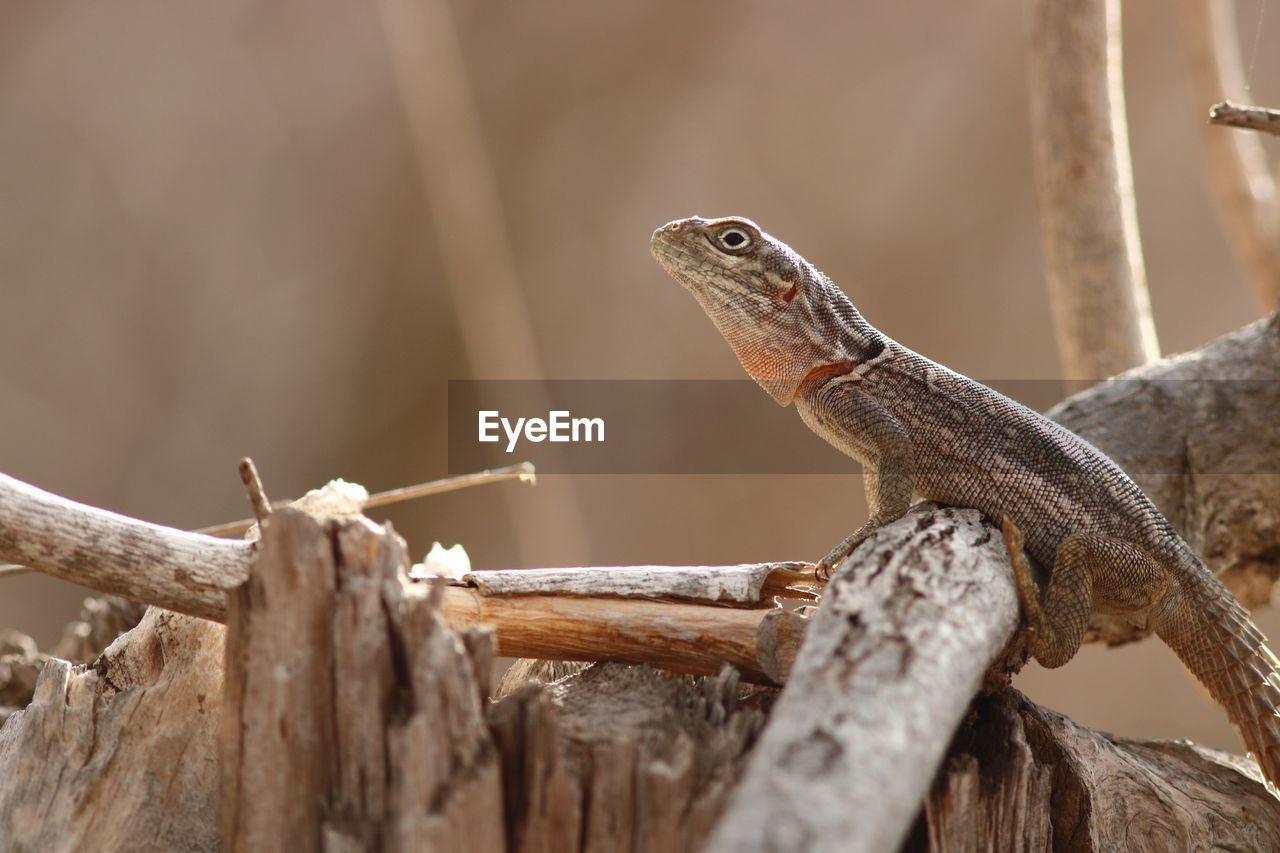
[[673, 254], [683, 258]]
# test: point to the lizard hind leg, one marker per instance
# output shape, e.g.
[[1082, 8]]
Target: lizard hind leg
[[1088, 569], [1054, 627]]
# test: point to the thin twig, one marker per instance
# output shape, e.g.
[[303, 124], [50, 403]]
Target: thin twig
[[1249, 118], [253, 485], [523, 471]]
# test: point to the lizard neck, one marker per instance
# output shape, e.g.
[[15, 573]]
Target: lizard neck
[[846, 338], [856, 340], [820, 334]]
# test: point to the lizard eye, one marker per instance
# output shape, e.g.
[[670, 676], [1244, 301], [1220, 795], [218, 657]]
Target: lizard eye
[[734, 240]]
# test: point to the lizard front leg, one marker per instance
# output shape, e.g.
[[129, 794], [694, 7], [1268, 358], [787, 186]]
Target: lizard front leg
[[1088, 568], [859, 426]]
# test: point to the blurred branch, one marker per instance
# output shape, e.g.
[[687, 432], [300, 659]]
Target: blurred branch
[[1093, 255], [257, 494], [471, 235], [1239, 175]]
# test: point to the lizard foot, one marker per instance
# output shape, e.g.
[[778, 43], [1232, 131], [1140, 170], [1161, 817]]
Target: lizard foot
[[826, 567]]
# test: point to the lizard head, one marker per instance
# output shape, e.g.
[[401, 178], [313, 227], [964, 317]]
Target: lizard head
[[767, 301]]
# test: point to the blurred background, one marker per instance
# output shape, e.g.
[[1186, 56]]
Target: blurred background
[[278, 230]]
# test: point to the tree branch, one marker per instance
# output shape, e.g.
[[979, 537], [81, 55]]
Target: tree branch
[[187, 572], [1228, 114], [899, 646]]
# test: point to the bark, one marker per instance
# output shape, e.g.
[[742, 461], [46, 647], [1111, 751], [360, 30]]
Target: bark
[[683, 638], [749, 584], [182, 571], [617, 758], [121, 755], [1020, 777]]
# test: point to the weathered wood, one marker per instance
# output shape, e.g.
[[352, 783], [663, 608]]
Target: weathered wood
[[1020, 777], [620, 758], [747, 584], [900, 644], [20, 664], [102, 619], [354, 717], [686, 638], [385, 742], [1229, 114], [278, 732], [123, 755], [159, 564], [187, 572]]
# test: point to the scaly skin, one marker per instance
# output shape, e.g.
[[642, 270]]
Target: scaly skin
[[921, 429]]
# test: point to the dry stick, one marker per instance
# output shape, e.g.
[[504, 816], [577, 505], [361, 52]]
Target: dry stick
[[1093, 256], [524, 472], [118, 555], [193, 573], [746, 585], [1249, 118], [253, 485], [1239, 175], [689, 638]]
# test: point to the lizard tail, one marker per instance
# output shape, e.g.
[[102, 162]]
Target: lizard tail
[[1215, 638]]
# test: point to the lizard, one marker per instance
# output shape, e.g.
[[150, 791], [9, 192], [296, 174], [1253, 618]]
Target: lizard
[[921, 429]]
